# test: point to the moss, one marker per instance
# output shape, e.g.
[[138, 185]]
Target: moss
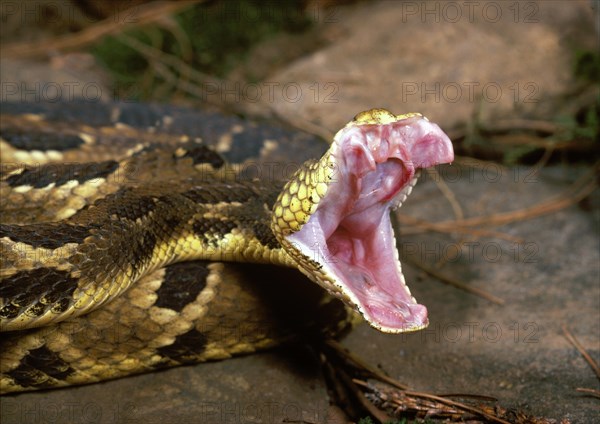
[[587, 66], [212, 39]]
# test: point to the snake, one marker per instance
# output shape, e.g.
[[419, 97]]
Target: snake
[[135, 238]]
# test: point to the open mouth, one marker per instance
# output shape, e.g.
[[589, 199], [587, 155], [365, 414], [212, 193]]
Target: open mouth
[[350, 234]]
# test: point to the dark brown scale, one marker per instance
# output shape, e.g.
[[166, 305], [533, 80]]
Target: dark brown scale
[[28, 373], [170, 216], [60, 306], [211, 194], [59, 174], [27, 287], [132, 226], [202, 154], [142, 247], [210, 229], [185, 348], [264, 235], [10, 311], [235, 191], [37, 310], [113, 247], [125, 204], [25, 139], [76, 111], [49, 236], [181, 285]]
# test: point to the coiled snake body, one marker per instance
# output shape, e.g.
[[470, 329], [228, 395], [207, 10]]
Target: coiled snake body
[[132, 239]]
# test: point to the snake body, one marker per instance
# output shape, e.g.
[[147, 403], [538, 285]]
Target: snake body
[[127, 248]]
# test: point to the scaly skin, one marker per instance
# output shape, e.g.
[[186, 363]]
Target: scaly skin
[[105, 265]]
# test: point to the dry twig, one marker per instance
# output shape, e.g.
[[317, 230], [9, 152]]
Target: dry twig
[[456, 283], [398, 401], [591, 392], [573, 340], [579, 190]]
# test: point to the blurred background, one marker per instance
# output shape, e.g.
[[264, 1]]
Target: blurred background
[[511, 228]]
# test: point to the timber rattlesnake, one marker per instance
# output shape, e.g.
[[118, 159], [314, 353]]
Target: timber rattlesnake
[[129, 238]]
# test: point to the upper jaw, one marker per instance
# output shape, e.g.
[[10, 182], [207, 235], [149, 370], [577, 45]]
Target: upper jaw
[[350, 235], [414, 140]]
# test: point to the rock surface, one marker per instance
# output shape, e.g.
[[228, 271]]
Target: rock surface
[[447, 60]]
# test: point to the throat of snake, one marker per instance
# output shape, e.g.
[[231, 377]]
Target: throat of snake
[[347, 245]]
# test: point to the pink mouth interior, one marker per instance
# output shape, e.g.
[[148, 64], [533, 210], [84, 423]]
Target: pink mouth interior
[[350, 234]]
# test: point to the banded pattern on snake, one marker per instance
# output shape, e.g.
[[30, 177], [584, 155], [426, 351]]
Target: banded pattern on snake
[[127, 248]]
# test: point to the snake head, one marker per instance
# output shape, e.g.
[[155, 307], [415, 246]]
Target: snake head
[[333, 216]]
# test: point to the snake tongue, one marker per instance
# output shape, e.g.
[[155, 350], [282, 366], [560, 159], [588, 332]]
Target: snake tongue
[[350, 234]]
